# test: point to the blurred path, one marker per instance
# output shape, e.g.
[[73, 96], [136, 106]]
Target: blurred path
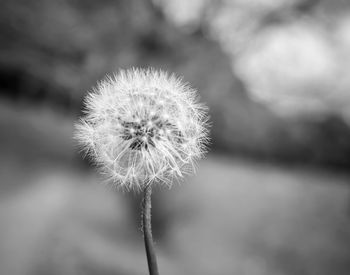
[[248, 218], [234, 218]]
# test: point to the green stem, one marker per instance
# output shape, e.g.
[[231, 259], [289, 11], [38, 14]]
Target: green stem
[[147, 231]]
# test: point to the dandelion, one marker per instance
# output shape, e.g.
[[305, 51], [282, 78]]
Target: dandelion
[[142, 128]]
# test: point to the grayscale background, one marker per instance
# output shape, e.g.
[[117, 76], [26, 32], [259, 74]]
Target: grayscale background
[[271, 198]]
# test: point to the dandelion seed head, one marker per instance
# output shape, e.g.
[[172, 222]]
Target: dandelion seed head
[[143, 127]]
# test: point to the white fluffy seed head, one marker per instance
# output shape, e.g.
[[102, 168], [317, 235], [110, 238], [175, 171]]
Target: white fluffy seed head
[[143, 127]]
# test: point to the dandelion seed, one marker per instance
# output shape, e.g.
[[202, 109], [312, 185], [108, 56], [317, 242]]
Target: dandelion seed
[[143, 127]]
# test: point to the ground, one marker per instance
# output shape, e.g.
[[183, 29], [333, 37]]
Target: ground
[[234, 216]]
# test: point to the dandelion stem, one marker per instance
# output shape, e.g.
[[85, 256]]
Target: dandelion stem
[[147, 231]]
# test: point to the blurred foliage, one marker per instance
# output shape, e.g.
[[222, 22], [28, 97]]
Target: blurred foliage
[[292, 55], [54, 51]]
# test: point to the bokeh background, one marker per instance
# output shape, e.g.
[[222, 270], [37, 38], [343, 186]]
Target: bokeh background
[[271, 198]]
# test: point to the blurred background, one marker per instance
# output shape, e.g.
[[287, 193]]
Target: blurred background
[[271, 198]]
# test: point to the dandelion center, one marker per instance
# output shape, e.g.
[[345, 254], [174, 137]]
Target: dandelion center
[[146, 132]]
